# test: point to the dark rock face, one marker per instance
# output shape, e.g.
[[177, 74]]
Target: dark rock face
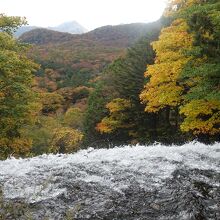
[[140, 182]]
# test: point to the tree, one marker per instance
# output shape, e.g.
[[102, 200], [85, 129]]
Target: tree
[[66, 140], [124, 79], [164, 88], [94, 113], [9, 24], [17, 104], [74, 118], [51, 102], [185, 75], [202, 100], [119, 117]]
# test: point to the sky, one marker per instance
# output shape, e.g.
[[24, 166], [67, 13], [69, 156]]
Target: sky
[[89, 13]]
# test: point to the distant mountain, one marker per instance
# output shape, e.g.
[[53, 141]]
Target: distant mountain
[[120, 36], [23, 29], [71, 27], [123, 35], [41, 36]]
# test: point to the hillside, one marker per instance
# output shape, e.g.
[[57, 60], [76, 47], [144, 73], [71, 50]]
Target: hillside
[[23, 29], [72, 27], [40, 36], [120, 35], [79, 58]]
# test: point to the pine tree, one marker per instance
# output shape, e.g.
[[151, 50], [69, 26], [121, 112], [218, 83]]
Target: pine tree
[[125, 79]]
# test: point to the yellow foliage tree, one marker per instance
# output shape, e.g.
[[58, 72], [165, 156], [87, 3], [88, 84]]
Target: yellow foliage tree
[[202, 117], [15, 147], [51, 102], [118, 116], [66, 140], [164, 89], [185, 75]]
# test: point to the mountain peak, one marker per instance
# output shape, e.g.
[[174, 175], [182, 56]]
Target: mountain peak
[[72, 27]]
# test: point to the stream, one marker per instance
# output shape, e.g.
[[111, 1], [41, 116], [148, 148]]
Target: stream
[[154, 182]]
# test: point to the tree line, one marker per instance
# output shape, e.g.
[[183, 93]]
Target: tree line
[[165, 88]]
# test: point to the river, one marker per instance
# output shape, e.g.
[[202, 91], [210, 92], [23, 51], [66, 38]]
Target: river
[[123, 183]]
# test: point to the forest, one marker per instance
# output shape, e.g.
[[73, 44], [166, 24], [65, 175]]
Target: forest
[[129, 84]]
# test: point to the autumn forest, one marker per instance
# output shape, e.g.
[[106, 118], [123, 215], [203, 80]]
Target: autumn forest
[[115, 85]]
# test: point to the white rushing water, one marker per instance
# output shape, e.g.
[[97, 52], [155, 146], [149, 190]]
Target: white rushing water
[[50, 177]]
